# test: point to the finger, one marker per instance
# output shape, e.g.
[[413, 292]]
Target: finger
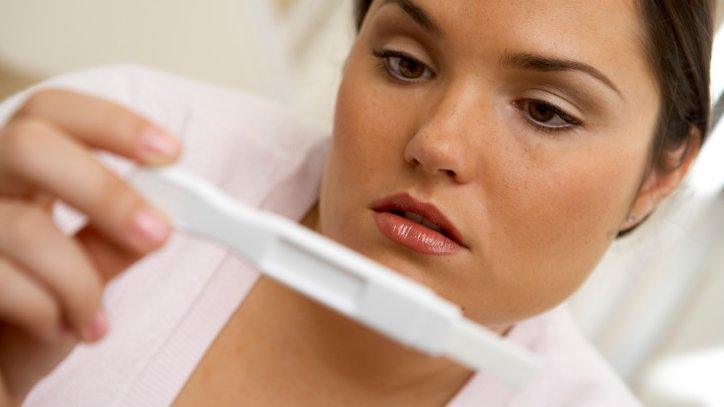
[[24, 360], [103, 124], [25, 304], [5, 399], [31, 239], [43, 156], [109, 258]]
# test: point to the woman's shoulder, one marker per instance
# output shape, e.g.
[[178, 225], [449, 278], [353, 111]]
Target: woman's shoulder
[[245, 144], [574, 371], [167, 98], [190, 109], [167, 308]]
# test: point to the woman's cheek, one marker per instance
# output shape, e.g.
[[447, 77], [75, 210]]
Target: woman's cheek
[[371, 131], [355, 163], [550, 229]]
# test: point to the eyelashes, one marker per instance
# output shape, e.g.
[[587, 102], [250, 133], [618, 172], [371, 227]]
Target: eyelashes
[[545, 116], [542, 115], [403, 67]]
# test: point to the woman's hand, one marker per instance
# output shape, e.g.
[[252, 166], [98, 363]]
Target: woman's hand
[[51, 283]]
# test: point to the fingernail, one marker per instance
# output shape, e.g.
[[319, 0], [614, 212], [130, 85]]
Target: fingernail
[[155, 142], [97, 328], [150, 227]]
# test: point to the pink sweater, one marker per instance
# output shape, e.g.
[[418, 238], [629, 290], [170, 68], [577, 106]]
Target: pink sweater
[[167, 309]]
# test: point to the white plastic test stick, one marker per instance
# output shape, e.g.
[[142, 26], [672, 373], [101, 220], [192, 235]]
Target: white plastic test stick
[[333, 274]]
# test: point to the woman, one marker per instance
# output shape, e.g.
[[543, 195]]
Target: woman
[[540, 130]]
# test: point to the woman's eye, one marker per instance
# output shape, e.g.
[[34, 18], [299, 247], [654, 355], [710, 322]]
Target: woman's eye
[[546, 116], [404, 67]]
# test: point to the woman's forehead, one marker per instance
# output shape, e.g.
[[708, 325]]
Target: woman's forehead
[[553, 11], [607, 35]]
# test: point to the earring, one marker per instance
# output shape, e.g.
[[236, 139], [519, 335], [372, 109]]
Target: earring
[[630, 219]]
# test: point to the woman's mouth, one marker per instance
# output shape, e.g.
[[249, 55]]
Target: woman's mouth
[[416, 225]]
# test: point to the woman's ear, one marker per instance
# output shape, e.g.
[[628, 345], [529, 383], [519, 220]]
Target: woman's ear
[[664, 177]]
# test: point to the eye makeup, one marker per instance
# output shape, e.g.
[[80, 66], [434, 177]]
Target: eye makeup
[[402, 66], [577, 97], [546, 117]]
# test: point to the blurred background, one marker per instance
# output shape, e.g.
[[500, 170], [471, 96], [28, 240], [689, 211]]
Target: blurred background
[[655, 305]]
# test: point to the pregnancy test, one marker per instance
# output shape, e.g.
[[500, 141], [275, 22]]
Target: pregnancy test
[[334, 275]]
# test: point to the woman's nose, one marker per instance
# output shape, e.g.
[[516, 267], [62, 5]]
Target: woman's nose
[[434, 156], [442, 144]]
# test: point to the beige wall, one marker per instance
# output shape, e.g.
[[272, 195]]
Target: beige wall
[[240, 44], [205, 40], [12, 81]]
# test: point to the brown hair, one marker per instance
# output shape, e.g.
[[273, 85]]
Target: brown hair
[[678, 42]]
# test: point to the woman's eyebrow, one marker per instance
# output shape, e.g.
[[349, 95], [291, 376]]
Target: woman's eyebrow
[[519, 60], [549, 64], [417, 13]]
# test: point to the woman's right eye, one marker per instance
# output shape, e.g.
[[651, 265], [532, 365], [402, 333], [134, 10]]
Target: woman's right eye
[[403, 67]]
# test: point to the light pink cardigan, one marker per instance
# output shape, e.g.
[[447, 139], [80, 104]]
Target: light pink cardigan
[[167, 309]]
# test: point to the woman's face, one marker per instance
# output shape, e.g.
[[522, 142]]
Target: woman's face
[[527, 124]]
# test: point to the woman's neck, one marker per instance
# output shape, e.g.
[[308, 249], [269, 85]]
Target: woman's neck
[[340, 347], [311, 355], [330, 351]]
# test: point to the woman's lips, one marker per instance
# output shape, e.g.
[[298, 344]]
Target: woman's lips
[[414, 235]]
